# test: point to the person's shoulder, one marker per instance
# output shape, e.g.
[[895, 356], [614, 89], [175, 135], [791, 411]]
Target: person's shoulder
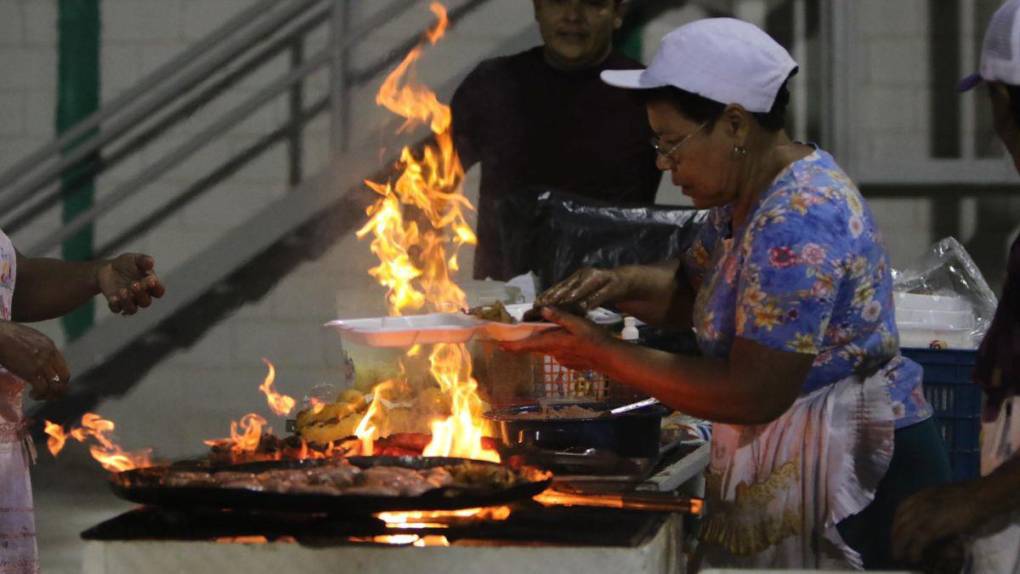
[[815, 178], [492, 78]]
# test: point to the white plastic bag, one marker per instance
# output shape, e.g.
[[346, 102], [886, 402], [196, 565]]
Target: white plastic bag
[[943, 300]]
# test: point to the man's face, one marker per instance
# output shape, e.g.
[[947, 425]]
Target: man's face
[[577, 33]]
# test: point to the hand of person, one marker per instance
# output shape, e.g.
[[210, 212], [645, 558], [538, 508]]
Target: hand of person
[[588, 287], [929, 526], [128, 282], [34, 358], [577, 345]]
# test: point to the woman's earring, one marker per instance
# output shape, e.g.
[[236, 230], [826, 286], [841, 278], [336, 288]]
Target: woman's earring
[[739, 152]]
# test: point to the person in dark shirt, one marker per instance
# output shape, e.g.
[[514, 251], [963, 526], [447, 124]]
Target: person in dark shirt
[[544, 118], [976, 523]]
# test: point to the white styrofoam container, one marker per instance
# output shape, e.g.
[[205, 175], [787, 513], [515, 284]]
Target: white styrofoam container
[[408, 330], [931, 302], [931, 337], [513, 332], [924, 318]]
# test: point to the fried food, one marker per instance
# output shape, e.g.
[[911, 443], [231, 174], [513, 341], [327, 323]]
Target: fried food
[[340, 477], [493, 312], [567, 412]]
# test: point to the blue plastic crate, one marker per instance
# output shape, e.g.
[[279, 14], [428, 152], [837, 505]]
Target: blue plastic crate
[[957, 404]]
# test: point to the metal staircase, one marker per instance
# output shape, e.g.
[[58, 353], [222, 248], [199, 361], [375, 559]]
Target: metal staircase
[[249, 259]]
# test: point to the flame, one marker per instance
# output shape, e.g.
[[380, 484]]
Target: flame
[[105, 450], [57, 437], [245, 436], [404, 540], [458, 435], [435, 518], [316, 405], [418, 255], [280, 404], [366, 429]]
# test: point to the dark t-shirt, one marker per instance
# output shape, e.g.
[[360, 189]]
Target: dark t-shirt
[[530, 125], [998, 358]]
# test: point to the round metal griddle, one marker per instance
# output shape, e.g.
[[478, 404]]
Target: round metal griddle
[[143, 486]]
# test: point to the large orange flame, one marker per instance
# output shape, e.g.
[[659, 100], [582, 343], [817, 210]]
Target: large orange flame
[[244, 436], [280, 404], [109, 454], [419, 257]]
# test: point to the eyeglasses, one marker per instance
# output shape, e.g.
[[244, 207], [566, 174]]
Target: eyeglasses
[[667, 154]]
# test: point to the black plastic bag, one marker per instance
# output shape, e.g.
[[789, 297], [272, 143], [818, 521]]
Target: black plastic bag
[[554, 234]]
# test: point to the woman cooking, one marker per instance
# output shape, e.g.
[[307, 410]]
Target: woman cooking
[[821, 425]]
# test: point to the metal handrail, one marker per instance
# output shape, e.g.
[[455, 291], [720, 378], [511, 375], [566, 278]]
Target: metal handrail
[[195, 190], [228, 49], [19, 220], [132, 186], [191, 78], [130, 95]]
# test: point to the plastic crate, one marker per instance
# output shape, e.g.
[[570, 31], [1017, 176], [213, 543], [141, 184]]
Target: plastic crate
[[957, 404]]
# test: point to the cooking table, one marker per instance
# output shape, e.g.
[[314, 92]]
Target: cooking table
[[532, 539]]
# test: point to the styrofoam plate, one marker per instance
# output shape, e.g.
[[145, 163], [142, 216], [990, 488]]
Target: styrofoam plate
[[599, 315], [514, 332], [408, 330]]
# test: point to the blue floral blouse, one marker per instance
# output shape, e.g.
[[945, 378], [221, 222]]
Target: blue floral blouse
[[807, 273]]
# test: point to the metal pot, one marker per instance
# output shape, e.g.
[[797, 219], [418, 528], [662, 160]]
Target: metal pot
[[634, 434]]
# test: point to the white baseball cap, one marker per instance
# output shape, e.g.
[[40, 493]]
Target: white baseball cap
[[723, 59], [1000, 52]]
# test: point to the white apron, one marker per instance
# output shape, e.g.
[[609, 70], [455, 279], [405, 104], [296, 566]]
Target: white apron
[[18, 553], [997, 551], [776, 492]]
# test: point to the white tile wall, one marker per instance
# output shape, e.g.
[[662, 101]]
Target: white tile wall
[[195, 393]]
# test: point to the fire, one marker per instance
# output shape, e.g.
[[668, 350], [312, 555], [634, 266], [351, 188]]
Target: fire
[[459, 434], [109, 454], [280, 404], [57, 438], [404, 540], [366, 430], [440, 518], [244, 435], [418, 257]]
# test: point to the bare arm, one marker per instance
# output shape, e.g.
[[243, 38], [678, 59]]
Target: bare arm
[[660, 296], [928, 522], [48, 288], [651, 293], [754, 385]]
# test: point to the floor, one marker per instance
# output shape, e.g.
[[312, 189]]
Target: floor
[[71, 495]]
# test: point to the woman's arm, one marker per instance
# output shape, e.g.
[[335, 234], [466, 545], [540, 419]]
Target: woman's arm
[[754, 385], [48, 288], [651, 293]]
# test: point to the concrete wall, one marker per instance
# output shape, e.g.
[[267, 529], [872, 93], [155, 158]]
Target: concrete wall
[[195, 393]]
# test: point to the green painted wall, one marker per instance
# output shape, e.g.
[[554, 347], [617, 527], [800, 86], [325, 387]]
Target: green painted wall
[[77, 98]]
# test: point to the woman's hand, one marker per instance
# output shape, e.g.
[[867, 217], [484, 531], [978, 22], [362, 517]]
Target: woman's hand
[[933, 521], [34, 358], [588, 288], [578, 345], [129, 282]]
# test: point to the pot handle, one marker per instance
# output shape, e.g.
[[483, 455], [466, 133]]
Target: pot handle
[[531, 437]]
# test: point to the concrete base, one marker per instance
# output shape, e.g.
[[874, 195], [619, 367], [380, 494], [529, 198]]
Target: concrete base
[[660, 555]]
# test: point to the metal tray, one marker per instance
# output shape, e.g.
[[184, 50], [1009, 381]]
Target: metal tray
[[142, 486]]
